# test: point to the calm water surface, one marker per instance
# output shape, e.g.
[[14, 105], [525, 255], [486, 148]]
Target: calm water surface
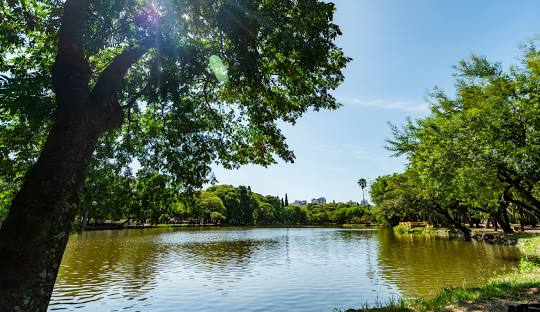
[[263, 269]]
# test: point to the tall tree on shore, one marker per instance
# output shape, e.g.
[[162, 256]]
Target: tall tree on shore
[[286, 200], [363, 184], [180, 84], [476, 154]]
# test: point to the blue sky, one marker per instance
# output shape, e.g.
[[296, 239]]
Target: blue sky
[[401, 50]]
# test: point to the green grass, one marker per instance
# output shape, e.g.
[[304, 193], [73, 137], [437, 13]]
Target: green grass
[[361, 225], [509, 287], [402, 229], [530, 245], [391, 305]]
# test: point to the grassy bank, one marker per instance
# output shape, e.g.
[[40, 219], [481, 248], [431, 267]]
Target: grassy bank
[[478, 234], [520, 286], [401, 229], [530, 245]]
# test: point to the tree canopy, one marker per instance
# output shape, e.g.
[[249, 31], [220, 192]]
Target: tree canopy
[[476, 155], [213, 82], [169, 86]]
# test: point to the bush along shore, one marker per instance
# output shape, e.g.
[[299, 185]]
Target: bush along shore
[[482, 235], [519, 287]]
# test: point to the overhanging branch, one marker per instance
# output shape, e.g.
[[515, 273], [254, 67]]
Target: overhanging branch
[[134, 98], [110, 80]]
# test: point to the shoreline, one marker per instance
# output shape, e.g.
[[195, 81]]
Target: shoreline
[[487, 236], [120, 226], [496, 295]]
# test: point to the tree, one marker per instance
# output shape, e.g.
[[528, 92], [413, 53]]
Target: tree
[[217, 217], [476, 155], [185, 82], [246, 205], [396, 199], [402, 197], [363, 184], [263, 213], [286, 200], [208, 206]]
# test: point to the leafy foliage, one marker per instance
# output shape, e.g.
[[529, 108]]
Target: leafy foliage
[[219, 79], [476, 156], [155, 199]]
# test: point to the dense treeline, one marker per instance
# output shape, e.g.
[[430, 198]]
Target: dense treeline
[[150, 198], [113, 192], [476, 156]]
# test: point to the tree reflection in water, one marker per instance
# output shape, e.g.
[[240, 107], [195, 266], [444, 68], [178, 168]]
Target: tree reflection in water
[[116, 264], [252, 269], [420, 265], [125, 265]]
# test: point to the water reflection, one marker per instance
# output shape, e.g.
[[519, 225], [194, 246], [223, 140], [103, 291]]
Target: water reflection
[[108, 264], [260, 269], [420, 265], [370, 249]]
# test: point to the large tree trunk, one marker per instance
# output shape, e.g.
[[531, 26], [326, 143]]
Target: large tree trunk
[[34, 236], [504, 221], [454, 223], [463, 229], [35, 233]]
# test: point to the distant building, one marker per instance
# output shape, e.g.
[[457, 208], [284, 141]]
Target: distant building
[[319, 201], [299, 203]]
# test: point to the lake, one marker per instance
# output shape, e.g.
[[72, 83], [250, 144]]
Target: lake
[[263, 269]]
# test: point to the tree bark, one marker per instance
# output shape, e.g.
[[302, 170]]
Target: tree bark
[[35, 234], [36, 231], [463, 229], [456, 224], [504, 221]]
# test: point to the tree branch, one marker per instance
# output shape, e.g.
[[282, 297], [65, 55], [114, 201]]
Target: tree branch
[[70, 70], [522, 204], [110, 80], [134, 98]]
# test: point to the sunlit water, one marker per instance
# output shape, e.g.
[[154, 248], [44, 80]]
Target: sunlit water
[[263, 269]]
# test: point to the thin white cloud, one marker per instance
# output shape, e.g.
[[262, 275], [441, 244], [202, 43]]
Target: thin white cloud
[[403, 105]]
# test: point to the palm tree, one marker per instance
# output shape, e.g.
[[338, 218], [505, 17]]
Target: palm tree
[[363, 184]]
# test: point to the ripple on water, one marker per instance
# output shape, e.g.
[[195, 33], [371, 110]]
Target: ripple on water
[[268, 269]]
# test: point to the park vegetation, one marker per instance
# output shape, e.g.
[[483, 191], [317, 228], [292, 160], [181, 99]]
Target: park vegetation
[[148, 199], [476, 157], [90, 88]]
